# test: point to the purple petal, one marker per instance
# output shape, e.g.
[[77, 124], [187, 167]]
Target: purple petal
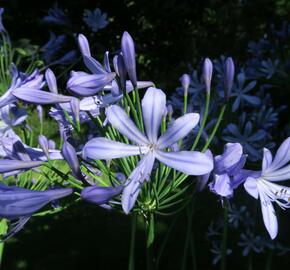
[[267, 159], [93, 65], [84, 45], [278, 175], [17, 202], [70, 155], [122, 122], [39, 97], [232, 155], [282, 156], [250, 186], [128, 51], [88, 84], [203, 179], [135, 181], [153, 107], [43, 142], [207, 73], [7, 165], [51, 81], [269, 215], [222, 185], [103, 148], [192, 163], [180, 128], [100, 195]]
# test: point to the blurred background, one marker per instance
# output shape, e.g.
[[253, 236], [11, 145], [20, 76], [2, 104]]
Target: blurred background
[[172, 37]]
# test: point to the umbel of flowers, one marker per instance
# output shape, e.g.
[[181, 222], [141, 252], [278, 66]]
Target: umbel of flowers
[[119, 151]]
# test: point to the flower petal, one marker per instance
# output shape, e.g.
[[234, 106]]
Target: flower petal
[[282, 156], [103, 148], [7, 165], [278, 175], [250, 186], [192, 163], [222, 185], [153, 108], [230, 157], [100, 195], [122, 122], [93, 65], [84, 45], [135, 180], [35, 96], [269, 215], [180, 128], [267, 159]]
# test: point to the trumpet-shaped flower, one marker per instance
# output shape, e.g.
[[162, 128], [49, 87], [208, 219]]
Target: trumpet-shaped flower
[[150, 147], [262, 185]]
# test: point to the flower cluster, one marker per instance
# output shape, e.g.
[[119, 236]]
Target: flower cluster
[[119, 146]]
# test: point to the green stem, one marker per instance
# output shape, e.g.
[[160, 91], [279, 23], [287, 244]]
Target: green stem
[[132, 243], [219, 120], [224, 240], [203, 121], [185, 104], [1, 252]]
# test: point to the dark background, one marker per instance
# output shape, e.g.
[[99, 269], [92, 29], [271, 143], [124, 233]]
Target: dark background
[[169, 35]]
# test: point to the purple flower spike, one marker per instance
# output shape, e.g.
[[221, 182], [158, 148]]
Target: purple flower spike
[[70, 155], [8, 165], [229, 74], [84, 45], [128, 51], [100, 195], [207, 73], [16, 202], [85, 85], [43, 143], [185, 82], [51, 81], [39, 97]]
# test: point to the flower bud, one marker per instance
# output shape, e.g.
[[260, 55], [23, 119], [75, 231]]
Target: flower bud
[[128, 51], [185, 82], [51, 81], [43, 143], [229, 72], [84, 45], [75, 107], [207, 73]]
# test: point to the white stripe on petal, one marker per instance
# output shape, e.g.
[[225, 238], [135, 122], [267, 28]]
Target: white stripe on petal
[[103, 148], [278, 175], [122, 122], [180, 128], [153, 108], [188, 162]]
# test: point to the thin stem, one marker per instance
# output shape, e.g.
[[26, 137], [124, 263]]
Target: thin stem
[[185, 103], [219, 120], [132, 243], [1, 252], [224, 240], [203, 121]]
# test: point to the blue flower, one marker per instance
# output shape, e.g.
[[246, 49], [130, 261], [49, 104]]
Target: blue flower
[[56, 16], [95, 19], [241, 90]]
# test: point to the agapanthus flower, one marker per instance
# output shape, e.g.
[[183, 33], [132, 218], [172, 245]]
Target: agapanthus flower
[[262, 185], [95, 19], [56, 16], [207, 73], [241, 92], [12, 115], [21, 81], [150, 147], [226, 166]]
